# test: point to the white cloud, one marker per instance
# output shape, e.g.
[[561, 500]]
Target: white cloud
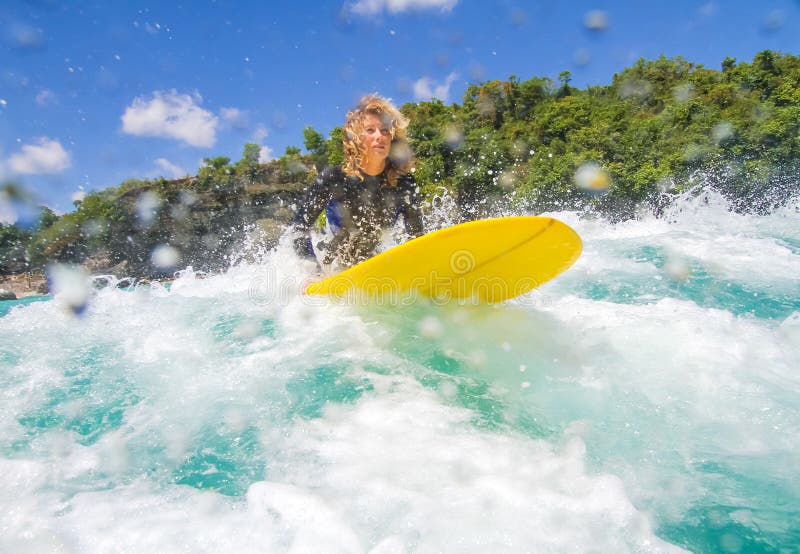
[[426, 88], [44, 156], [234, 117], [265, 155], [169, 169], [45, 97], [374, 7], [171, 115], [260, 133]]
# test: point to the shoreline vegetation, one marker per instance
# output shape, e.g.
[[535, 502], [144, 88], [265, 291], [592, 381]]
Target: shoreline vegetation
[[661, 127]]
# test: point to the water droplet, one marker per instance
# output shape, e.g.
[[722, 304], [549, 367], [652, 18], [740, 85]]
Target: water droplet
[[596, 20], [683, 92], [721, 132], [677, 269], [507, 180], [454, 136], [582, 57], [774, 21], [592, 178], [430, 327], [70, 285], [147, 206], [477, 358], [165, 256], [93, 227]]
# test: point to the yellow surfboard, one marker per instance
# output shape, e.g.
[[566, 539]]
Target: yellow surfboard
[[485, 261]]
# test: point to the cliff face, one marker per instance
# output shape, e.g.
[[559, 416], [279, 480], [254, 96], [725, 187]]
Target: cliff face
[[206, 228], [159, 227]]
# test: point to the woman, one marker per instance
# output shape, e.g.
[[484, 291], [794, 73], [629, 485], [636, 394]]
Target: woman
[[368, 192]]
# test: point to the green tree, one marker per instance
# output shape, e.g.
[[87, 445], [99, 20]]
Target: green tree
[[215, 172], [218, 163], [251, 153], [728, 63], [531, 93], [315, 143], [312, 139], [334, 146], [47, 217], [565, 77], [248, 166], [291, 162]]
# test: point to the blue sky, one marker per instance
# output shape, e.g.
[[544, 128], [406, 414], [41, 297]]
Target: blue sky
[[94, 93]]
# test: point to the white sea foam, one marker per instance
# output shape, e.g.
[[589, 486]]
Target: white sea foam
[[603, 408]]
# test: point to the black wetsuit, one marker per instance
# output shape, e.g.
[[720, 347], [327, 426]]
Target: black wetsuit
[[363, 209]]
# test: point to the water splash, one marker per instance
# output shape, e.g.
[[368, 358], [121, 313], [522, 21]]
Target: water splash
[[621, 406]]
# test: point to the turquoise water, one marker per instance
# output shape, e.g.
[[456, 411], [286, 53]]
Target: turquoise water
[[7, 305], [648, 400]]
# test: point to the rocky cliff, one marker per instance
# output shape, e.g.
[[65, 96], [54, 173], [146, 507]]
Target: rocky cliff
[[148, 229]]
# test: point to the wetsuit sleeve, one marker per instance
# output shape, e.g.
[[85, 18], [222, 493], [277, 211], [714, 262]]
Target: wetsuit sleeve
[[412, 208], [317, 196]]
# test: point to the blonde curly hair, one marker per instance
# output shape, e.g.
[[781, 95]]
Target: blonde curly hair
[[400, 159]]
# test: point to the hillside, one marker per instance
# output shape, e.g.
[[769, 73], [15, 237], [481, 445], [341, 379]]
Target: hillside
[[660, 127]]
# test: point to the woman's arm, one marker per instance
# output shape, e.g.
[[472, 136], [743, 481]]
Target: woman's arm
[[317, 196]]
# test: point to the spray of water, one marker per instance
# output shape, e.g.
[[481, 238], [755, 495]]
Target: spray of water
[[645, 400]]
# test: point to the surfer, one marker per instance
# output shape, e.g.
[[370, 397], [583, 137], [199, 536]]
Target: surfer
[[366, 194]]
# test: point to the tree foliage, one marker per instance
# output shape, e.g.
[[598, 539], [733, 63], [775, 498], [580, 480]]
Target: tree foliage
[[316, 144], [659, 120], [248, 166]]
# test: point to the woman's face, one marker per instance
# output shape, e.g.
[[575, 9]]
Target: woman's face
[[376, 138]]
